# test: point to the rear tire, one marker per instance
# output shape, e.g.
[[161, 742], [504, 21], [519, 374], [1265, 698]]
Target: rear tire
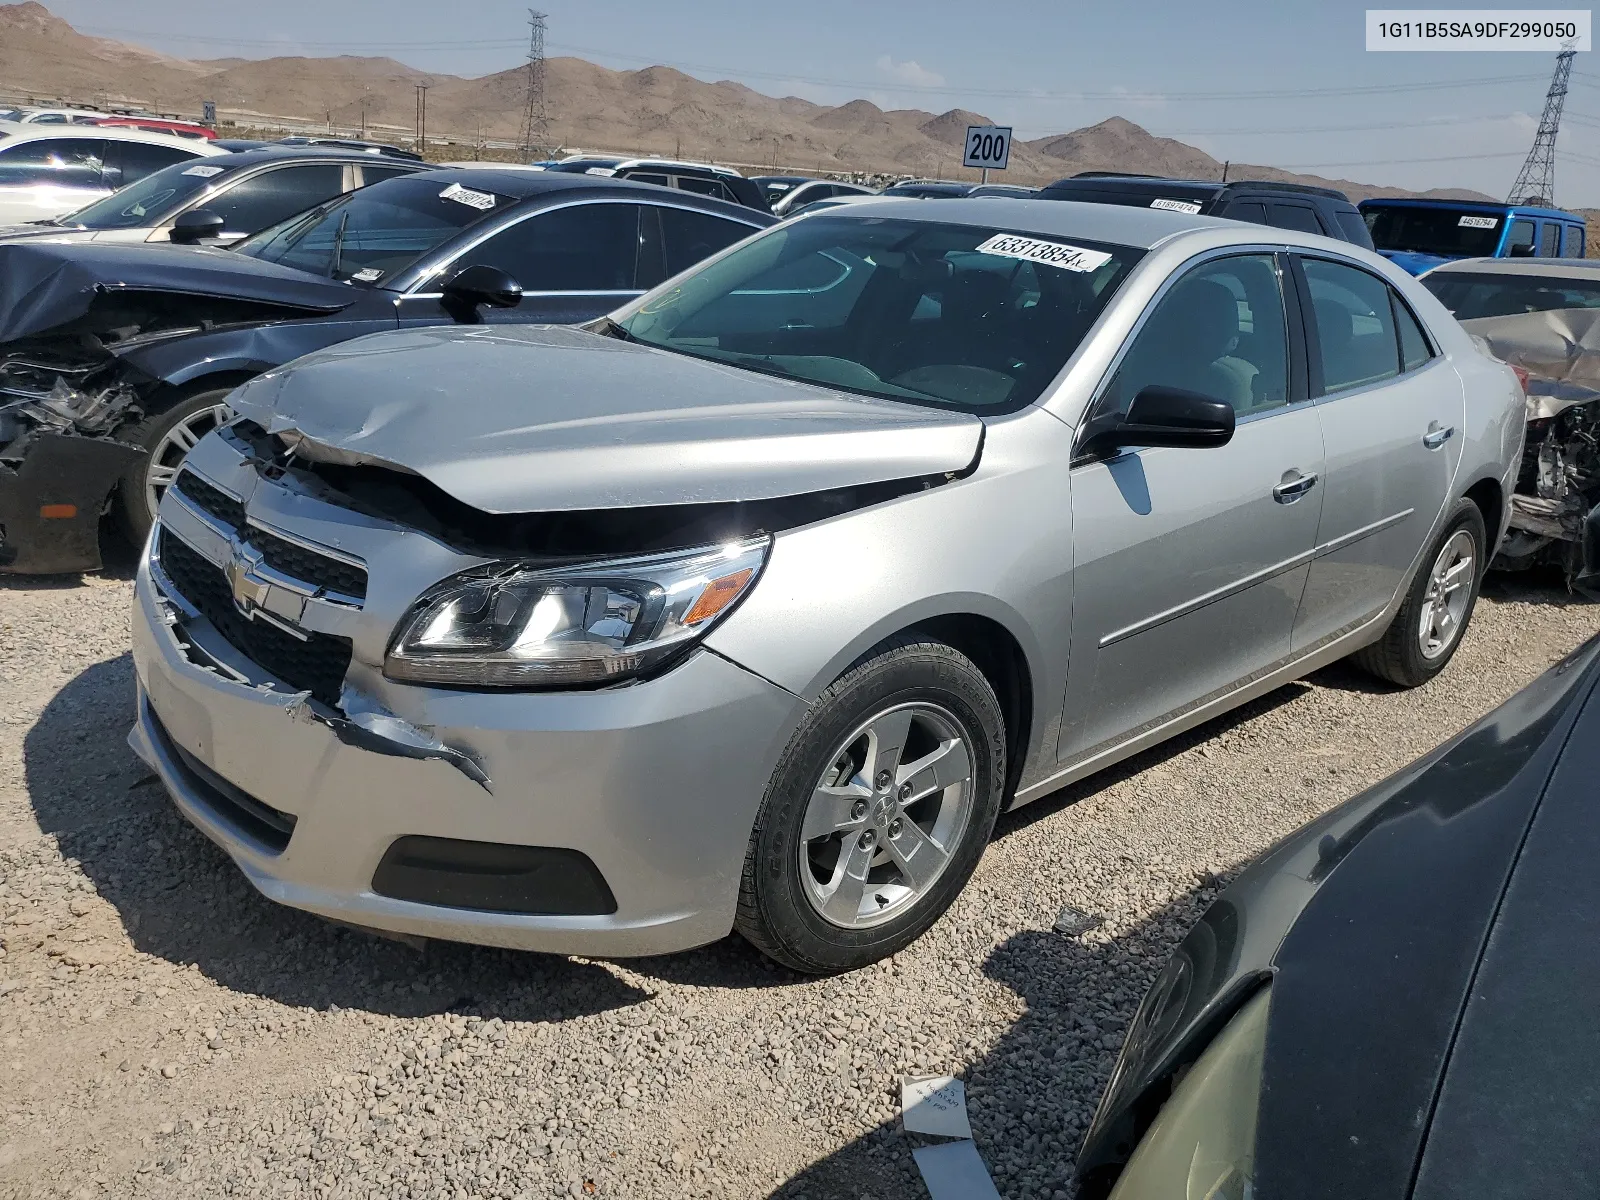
[[1425, 633], [167, 436], [858, 849]]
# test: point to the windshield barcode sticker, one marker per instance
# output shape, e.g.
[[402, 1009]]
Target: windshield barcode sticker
[[1478, 222], [1183, 206], [465, 195], [203, 172], [1051, 254]]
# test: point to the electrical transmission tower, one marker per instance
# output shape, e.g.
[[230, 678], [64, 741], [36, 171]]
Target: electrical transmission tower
[[536, 119], [1536, 182]]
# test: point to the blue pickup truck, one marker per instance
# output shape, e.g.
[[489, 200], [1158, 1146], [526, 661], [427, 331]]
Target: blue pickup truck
[[1418, 235]]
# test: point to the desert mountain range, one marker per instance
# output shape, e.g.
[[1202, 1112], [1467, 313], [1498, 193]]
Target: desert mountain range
[[657, 110]]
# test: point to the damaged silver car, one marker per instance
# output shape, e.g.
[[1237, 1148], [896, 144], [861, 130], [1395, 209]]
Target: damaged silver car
[[751, 605], [1544, 319]]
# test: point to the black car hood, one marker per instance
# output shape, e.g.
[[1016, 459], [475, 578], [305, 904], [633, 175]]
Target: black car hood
[[45, 286], [1368, 923]]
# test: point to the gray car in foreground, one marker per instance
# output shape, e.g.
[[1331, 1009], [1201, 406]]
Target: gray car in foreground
[[752, 605]]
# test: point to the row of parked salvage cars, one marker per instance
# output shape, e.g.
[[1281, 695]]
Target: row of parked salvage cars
[[572, 564]]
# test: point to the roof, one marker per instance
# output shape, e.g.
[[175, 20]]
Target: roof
[[1548, 268], [1494, 206], [1114, 223], [272, 152], [112, 133], [525, 185], [1187, 189]]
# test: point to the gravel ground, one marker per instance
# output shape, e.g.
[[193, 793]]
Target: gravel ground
[[167, 1032]]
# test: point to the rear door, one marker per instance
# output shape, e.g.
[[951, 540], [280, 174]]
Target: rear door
[[1295, 214], [1190, 563], [1392, 412]]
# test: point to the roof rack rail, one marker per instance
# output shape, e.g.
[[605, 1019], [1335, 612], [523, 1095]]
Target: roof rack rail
[[1115, 175], [1304, 189]]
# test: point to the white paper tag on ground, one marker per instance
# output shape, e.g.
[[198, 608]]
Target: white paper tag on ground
[[1183, 206], [201, 171], [955, 1171], [1051, 254], [1470, 222], [465, 195], [934, 1104]]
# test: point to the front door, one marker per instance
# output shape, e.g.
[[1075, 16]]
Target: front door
[[1190, 563], [1392, 414]]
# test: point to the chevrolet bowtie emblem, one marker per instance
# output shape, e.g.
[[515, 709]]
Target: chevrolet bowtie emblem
[[250, 591]]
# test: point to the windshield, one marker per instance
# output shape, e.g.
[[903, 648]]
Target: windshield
[[958, 316], [369, 235], [1449, 232], [149, 200], [1468, 296]]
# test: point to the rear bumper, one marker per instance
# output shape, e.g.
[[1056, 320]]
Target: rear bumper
[[71, 477], [656, 784]]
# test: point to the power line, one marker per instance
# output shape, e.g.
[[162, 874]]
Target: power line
[[1390, 162], [1299, 129]]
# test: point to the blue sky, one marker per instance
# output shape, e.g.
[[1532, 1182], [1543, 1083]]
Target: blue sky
[[1176, 67]]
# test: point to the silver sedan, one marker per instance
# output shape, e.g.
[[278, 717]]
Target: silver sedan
[[752, 605]]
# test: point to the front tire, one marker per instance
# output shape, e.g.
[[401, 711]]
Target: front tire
[[167, 436], [878, 810], [1428, 629]]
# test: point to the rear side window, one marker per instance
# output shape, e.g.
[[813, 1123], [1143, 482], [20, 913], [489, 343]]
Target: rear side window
[[703, 187], [62, 161], [1574, 247], [129, 162], [1414, 348], [1549, 240], [1353, 227], [374, 174], [689, 237], [1294, 216], [581, 248], [272, 196], [1469, 296], [1356, 340]]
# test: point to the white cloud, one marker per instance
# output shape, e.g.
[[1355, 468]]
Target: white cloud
[[909, 72]]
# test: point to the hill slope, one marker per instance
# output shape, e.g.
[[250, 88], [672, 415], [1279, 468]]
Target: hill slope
[[656, 110]]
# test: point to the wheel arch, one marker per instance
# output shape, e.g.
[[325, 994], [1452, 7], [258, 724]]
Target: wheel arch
[[1489, 496]]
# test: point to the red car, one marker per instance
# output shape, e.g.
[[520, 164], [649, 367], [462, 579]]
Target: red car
[[161, 125]]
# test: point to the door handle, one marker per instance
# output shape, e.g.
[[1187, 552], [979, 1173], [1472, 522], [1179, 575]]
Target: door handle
[[1436, 437], [1291, 490]]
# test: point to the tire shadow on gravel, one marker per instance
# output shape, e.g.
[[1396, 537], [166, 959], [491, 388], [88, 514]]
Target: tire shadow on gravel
[[183, 900], [1030, 1098]]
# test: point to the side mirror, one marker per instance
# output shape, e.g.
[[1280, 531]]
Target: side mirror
[[196, 225], [1165, 416], [472, 287], [1520, 250]]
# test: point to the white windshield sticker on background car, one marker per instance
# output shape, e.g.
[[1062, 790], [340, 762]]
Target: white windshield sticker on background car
[[1183, 206], [202, 171], [465, 195], [1478, 222], [1051, 254], [367, 275]]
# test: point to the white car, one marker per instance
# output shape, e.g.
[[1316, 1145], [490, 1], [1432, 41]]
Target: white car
[[47, 171], [53, 116]]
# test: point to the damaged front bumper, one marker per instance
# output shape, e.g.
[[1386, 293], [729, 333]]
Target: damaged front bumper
[[655, 785]]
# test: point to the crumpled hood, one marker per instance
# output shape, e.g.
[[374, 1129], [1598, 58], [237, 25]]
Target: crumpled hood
[[45, 284], [1559, 349], [1413, 262], [548, 418]]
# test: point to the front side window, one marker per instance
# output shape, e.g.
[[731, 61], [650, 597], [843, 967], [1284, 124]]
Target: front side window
[[1354, 316], [368, 236], [1519, 243], [580, 248], [59, 161], [1218, 331], [1447, 232], [129, 162], [1469, 296], [954, 316], [1247, 210], [275, 195]]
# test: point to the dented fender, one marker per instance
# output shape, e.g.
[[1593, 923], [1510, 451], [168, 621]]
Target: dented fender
[[58, 472]]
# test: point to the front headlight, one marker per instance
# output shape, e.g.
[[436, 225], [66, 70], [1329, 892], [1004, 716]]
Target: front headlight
[[508, 625], [1202, 1144]]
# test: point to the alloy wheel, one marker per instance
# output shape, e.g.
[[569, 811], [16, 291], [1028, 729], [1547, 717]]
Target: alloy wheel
[[167, 455], [886, 816], [1447, 595]]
